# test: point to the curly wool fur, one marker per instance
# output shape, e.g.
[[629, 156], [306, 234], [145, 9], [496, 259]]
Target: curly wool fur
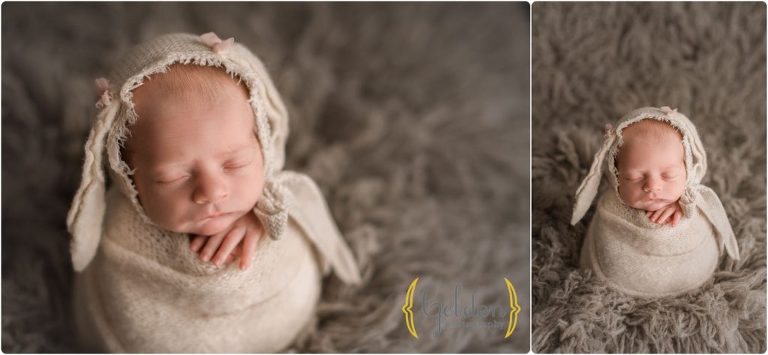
[[594, 62], [405, 115]]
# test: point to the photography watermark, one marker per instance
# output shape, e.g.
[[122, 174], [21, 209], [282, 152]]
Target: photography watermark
[[460, 312]]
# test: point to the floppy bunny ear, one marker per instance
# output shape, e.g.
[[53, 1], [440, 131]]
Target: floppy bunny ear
[[313, 217], [709, 204], [85, 217], [588, 188]]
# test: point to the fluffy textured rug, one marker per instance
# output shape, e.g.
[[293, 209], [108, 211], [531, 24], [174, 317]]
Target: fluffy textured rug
[[413, 118], [591, 64]]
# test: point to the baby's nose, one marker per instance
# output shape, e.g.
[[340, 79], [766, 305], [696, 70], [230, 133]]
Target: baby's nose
[[210, 189], [652, 185]]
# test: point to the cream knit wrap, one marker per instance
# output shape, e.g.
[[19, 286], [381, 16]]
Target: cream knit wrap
[[633, 254], [140, 288]]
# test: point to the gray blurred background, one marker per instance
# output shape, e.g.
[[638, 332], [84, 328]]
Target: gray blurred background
[[592, 63], [413, 118]]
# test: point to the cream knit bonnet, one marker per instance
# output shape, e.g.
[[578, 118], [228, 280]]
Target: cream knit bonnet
[[116, 113], [695, 196]]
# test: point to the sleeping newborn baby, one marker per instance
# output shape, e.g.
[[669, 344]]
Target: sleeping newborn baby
[[658, 231], [194, 174], [171, 257], [651, 170]]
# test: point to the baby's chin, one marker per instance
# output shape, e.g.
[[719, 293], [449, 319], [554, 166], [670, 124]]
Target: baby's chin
[[210, 226], [651, 206]]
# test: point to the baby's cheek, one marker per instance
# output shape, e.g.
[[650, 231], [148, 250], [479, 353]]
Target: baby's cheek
[[249, 189], [679, 189], [165, 208], [631, 195]]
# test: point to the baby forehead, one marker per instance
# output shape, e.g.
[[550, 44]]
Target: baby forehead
[[188, 87], [648, 134], [187, 81], [193, 99], [650, 128]]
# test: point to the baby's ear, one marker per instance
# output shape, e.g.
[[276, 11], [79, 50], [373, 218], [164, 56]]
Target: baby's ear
[[85, 217]]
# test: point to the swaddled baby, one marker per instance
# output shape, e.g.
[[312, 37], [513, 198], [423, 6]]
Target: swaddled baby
[[171, 257], [658, 231]]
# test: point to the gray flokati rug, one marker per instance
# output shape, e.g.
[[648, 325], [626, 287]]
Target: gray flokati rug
[[594, 62], [412, 118]]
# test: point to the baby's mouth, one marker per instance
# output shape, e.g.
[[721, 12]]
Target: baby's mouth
[[214, 215], [654, 198]]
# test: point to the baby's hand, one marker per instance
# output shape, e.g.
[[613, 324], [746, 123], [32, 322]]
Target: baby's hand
[[240, 239], [669, 214]]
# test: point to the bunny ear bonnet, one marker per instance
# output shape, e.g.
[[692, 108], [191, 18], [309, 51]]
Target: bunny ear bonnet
[[285, 193], [695, 195]]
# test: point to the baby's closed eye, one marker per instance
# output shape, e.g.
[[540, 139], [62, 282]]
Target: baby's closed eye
[[237, 164], [633, 178], [168, 179], [670, 176]]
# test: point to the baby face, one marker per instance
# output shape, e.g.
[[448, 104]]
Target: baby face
[[651, 165], [198, 164]]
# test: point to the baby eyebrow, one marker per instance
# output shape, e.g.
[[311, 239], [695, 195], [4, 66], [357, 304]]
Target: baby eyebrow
[[673, 167], [237, 150], [166, 167]]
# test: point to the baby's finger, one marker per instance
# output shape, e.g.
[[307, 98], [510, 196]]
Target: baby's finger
[[229, 259], [655, 216], [249, 248], [211, 246], [197, 242], [665, 216], [676, 217], [230, 242]]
